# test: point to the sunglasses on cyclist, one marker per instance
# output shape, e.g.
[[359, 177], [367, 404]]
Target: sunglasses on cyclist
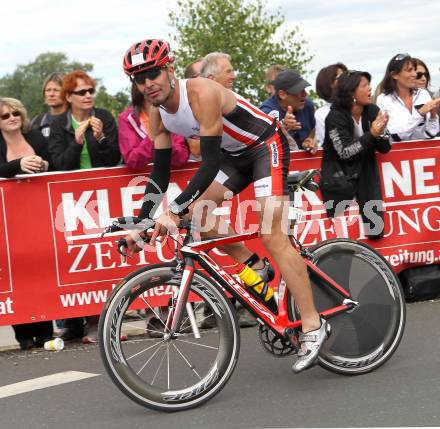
[[5, 116], [419, 75], [151, 74], [83, 92]]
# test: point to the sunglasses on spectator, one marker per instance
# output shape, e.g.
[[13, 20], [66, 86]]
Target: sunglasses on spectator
[[5, 116], [396, 61], [347, 73], [400, 57], [419, 75], [83, 92], [151, 74]]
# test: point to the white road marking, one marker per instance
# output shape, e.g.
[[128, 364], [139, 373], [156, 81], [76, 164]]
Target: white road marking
[[43, 382]]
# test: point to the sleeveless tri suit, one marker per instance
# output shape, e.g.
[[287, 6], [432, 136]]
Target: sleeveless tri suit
[[253, 147]]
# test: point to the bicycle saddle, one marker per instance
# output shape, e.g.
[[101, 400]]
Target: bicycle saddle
[[303, 179]]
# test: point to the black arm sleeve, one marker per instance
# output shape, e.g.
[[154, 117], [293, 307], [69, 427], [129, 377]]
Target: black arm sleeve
[[157, 184], [210, 152]]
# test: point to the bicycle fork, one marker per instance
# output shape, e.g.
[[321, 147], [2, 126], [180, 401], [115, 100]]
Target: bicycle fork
[[179, 302]]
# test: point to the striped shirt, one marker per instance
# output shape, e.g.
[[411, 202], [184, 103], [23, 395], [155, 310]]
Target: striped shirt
[[241, 128]]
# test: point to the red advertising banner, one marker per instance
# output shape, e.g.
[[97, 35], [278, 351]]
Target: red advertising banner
[[54, 265]]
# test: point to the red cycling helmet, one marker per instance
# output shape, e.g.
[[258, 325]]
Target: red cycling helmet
[[146, 55]]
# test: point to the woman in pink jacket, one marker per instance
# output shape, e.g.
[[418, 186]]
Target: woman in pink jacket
[[135, 144]]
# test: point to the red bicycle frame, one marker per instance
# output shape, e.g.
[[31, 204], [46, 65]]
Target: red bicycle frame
[[279, 322]]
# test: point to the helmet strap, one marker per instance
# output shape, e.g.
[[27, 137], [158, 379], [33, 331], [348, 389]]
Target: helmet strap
[[172, 88]]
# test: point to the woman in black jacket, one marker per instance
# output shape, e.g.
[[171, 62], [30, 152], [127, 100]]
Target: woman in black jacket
[[22, 150], [83, 136], [355, 129]]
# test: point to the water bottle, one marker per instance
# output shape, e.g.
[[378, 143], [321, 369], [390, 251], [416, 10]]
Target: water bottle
[[253, 280]]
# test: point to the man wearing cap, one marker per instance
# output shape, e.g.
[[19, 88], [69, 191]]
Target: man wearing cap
[[293, 109]]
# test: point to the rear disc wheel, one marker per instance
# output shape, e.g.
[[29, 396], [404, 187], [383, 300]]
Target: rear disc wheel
[[367, 336]]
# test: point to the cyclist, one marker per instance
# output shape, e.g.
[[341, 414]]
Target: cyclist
[[239, 145]]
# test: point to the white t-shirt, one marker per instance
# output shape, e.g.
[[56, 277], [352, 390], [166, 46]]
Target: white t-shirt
[[358, 131], [320, 115], [409, 125]]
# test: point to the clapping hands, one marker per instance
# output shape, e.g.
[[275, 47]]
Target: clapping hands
[[379, 125], [33, 164], [96, 125], [430, 106]]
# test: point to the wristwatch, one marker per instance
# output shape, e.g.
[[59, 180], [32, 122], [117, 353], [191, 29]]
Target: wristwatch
[[385, 135], [177, 210]]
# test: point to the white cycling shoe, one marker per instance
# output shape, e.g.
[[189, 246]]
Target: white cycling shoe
[[310, 346]]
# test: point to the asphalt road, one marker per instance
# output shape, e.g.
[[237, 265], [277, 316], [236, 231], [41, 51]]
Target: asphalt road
[[263, 392]]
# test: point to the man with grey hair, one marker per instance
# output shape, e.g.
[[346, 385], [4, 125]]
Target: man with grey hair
[[217, 66]]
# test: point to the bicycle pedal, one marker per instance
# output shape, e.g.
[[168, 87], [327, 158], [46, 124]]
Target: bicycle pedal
[[292, 336], [328, 329]]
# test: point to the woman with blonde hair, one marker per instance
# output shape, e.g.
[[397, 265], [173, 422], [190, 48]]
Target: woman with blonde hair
[[22, 150], [52, 87]]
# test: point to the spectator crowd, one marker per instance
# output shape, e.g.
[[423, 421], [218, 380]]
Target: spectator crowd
[[349, 123]]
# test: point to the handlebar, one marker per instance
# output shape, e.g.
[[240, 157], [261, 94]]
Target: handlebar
[[134, 223], [295, 181], [129, 223]]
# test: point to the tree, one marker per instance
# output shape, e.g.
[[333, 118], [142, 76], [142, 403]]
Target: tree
[[26, 83], [114, 103], [245, 31]]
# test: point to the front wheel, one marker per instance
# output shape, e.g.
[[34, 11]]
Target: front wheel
[[366, 337], [168, 374]]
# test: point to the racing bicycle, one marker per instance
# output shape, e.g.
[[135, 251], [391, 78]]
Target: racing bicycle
[[174, 364]]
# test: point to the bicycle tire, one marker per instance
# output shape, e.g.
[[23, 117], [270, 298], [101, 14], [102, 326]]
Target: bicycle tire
[[365, 338], [131, 363]]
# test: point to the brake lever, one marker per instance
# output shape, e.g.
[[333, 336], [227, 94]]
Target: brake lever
[[122, 243], [128, 223], [114, 227]]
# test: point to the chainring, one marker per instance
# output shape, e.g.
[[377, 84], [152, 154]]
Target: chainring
[[274, 344]]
